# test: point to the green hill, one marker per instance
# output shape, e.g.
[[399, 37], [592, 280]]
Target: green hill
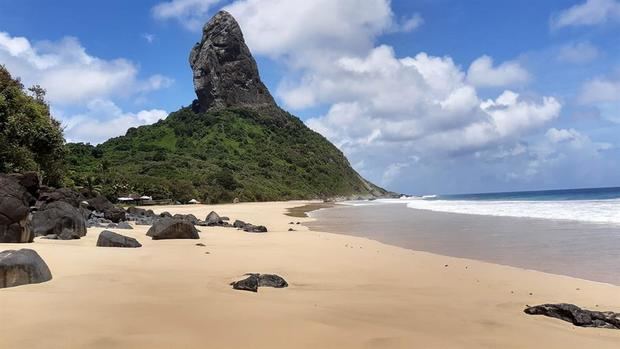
[[219, 155]]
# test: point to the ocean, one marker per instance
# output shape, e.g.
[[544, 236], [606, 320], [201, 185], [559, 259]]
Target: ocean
[[570, 232]]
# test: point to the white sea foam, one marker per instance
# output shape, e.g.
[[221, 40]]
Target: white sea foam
[[597, 211]]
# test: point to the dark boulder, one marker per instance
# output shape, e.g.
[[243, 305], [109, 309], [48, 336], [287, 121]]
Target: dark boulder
[[271, 280], [22, 267], [248, 284], [111, 239], [169, 228], [15, 203], [99, 203], [115, 214], [239, 224], [67, 195], [255, 280], [577, 316], [28, 180], [187, 217], [213, 219], [165, 215], [250, 228], [61, 219], [225, 73]]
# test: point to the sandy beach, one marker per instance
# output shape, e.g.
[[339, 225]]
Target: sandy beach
[[345, 292]]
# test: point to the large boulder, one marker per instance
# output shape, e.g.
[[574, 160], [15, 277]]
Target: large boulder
[[225, 73], [187, 217], [111, 239], [22, 267], [61, 219], [15, 202], [115, 214], [99, 203], [67, 195], [168, 228], [577, 316], [255, 280], [213, 219], [251, 228]]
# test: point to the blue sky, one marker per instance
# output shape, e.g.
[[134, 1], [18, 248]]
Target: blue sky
[[424, 96]]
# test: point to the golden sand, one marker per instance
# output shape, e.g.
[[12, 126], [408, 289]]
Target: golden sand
[[344, 292]]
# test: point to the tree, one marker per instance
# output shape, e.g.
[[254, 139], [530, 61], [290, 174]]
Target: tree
[[30, 138]]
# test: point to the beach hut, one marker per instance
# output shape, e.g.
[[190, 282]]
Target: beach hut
[[193, 201]]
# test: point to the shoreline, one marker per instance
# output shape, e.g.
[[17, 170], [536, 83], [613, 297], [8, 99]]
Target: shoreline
[[556, 247], [345, 292]]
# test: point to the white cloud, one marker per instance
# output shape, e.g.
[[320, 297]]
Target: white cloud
[[69, 73], [189, 13], [150, 38], [481, 73], [578, 52], [392, 172], [591, 12], [103, 120], [411, 23], [600, 90], [420, 103]]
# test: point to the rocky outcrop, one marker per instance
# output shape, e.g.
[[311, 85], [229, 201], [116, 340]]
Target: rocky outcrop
[[577, 316], [254, 281], [22, 267], [111, 239], [213, 219], [15, 202], [187, 217], [225, 73], [60, 219], [169, 228]]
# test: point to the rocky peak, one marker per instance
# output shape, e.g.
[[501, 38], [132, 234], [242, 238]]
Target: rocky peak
[[225, 73]]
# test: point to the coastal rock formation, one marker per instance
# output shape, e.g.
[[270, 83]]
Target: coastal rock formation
[[169, 228], [255, 280], [225, 73], [60, 219], [111, 239], [22, 267], [577, 316], [15, 201]]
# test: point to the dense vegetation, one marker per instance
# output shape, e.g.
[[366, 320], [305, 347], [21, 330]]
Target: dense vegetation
[[30, 139], [215, 157]]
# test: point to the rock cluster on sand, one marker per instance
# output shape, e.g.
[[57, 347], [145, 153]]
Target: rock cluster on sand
[[225, 73], [15, 202], [251, 228], [111, 239], [255, 280], [22, 267], [169, 228], [577, 316]]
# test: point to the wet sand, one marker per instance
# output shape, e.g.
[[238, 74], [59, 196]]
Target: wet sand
[[345, 292], [585, 250]]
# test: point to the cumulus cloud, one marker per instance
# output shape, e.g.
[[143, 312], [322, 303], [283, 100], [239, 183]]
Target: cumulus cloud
[[69, 73], [103, 119], [482, 73], [591, 12], [411, 23], [578, 52], [600, 90], [423, 103]]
